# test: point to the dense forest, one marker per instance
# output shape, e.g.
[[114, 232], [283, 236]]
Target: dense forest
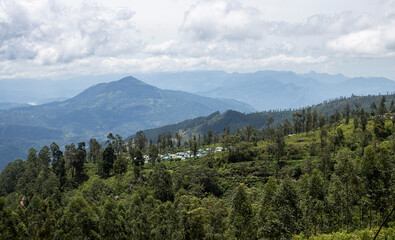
[[312, 176], [216, 121]]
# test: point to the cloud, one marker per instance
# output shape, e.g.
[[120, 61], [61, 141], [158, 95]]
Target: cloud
[[228, 20], [324, 24], [49, 32], [161, 48], [375, 41]]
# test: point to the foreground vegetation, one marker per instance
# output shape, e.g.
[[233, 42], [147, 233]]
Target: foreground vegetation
[[319, 177]]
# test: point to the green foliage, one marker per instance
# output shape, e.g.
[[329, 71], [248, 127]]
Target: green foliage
[[162, 183], [241, 215], [107, 162], [78, 221], [336, 182], [121, 164]]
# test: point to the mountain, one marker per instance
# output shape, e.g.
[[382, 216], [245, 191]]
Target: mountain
[[122, 107], [217, 121], [268, 90], [9, 105]]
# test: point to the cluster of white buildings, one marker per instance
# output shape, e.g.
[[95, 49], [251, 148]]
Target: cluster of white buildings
[[185, 155]]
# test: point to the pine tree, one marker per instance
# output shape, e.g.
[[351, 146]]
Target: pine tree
[[241, 215]]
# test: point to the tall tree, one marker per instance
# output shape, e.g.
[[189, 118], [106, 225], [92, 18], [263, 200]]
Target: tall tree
[[138, 162], [381, 110], [107, 163], [287, 208], [162, 183], [94, 150], [58, 164], [241, 215], [153, 154], [140, 140], [346, 113]]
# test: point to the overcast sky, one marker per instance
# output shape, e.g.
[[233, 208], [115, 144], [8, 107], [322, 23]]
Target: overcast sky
[[60, 39]]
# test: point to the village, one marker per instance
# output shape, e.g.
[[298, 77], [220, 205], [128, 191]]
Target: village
[[178, 156]]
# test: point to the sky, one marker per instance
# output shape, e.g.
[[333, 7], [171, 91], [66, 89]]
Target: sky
[[62, 39]]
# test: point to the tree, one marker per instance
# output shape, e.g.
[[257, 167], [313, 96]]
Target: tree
[[112, 222], [287, 127], [138, 162], [162, 183], [193, 217], [286, 208], [364, 120], [309, 120], [58, 164], [381, 110], [10, 175], [315, 200], [78, 221], [346, 113], [140, 140], [298, 125], [44, 157], [164, 222], [94, 150], [372, 180], [119, 145], [120, 165], [373, 107], [79, 163], [345, 170], [241, 215], [379, 128], [107, 163], [178, 138], [11, 225], [153, 154], [27, 182]]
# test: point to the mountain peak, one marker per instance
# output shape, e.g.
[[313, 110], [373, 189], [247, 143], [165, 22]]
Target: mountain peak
[[129, 80]]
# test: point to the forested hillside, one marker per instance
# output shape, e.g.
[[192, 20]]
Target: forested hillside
[[236, 120], [329, 177]]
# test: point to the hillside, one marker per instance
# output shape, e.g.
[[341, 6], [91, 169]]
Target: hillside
[[268, 90], [334, 181], [217, 121], [122, 107]]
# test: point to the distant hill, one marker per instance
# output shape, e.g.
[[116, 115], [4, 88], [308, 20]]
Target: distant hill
[[9, 105], [217, 121], [121, 107], [268, 90]]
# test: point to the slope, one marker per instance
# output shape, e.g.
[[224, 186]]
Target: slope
[[122, 107], [217, 121]]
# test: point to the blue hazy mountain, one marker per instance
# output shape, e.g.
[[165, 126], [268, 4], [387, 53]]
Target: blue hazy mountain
[[121, 107], [265, 90]]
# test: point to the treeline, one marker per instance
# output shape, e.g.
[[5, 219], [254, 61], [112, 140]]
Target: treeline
[[335, 174], [235, 120]]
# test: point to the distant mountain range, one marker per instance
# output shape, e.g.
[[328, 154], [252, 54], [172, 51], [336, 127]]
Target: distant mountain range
[[121, 107], [217, 121], [268, 90]]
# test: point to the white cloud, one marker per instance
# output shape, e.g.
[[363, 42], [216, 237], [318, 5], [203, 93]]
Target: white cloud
[[228, 20], [50, 32], [323, 24], [161, 48], [375, 41], [54, 38]]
